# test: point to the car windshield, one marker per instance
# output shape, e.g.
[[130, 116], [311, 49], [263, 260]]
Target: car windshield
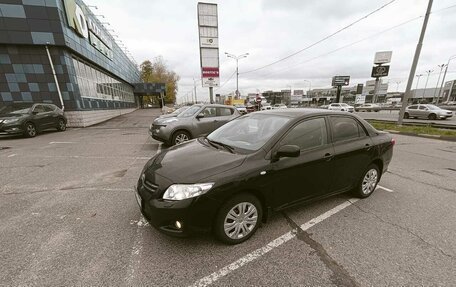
[[189, 112], [249, 132], [432, 107], [15, 109], [179, 110]]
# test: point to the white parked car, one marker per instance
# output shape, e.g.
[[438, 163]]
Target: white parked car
[[343, 107], [279, 106], [266, 108]]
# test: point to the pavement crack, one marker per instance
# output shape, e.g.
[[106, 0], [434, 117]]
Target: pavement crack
[[340, 276], [422, 182], [404, 229]]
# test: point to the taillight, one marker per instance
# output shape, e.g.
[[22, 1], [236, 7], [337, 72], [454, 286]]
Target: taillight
[[393, 141]]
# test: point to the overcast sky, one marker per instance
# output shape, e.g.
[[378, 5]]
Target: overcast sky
[[272, 29]]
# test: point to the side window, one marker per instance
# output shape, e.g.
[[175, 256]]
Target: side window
[[413, 107], [423, 108], [308, 134], [209, 112], [223, 112], [345, 128], [48, 108], [39, 109]]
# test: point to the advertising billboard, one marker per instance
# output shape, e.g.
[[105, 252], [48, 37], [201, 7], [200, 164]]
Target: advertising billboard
[[208, 44]]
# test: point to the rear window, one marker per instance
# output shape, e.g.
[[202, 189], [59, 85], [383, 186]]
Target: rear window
[[224, 112], [346, 128]]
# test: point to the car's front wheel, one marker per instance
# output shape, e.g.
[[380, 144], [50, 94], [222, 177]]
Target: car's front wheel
[[30, 130], [180, 137], [432, 117], [61, 125], [238, 219], [368, 182]]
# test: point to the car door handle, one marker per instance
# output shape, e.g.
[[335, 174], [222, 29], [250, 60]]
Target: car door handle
[[367, 146], [328, 156]]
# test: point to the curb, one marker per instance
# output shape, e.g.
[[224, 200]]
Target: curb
[[437, 137]]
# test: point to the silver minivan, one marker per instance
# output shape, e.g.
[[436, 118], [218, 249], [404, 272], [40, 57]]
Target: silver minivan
[[198, 120]]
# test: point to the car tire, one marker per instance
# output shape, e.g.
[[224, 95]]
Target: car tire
[[406, 116], [180, 137], [61, 125], [432, 117], [30, 130], [230, 224], [368, 182]]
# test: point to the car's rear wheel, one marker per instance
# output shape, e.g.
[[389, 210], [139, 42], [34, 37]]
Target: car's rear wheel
[[30, 130], [406, 116], [432, 117], [180, 137], [238, 219], [368, 182], [61, 125]]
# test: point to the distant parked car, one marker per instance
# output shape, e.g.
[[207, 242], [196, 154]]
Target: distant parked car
[[197, 120], [280, 106], [241, 109], [266, 108], [30, 119], [368, 108], [250, 108], [430, 112], [343, 107]]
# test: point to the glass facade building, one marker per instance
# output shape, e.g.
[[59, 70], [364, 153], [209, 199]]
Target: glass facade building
[[40, 37]]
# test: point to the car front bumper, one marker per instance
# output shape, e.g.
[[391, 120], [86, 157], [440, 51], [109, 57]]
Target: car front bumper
[[195, 215], [11, 129], [159, 133]]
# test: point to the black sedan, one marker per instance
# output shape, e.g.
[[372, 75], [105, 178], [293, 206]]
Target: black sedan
[[230, 181], [29, 119]]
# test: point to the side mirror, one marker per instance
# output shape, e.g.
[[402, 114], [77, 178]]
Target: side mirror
[[200, 116], [288, 151]]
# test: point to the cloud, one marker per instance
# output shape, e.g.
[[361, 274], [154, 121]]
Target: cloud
[[270, 30]]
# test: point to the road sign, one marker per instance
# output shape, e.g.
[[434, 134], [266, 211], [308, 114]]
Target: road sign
[[383, 57], [258, 100], [360, 99], [380, 71], [340, 81]]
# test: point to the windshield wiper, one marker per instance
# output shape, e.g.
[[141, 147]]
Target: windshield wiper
[[227, 147]]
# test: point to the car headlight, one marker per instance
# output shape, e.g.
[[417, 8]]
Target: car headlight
[[184, 191], [9, 121], [169, 121]]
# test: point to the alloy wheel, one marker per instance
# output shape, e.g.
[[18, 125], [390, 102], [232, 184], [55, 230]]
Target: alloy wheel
[[180, 138], [31, 130], [240, 220], [370, 181], [62, 125]]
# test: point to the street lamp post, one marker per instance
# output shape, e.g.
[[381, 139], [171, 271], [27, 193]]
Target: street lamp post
[[310, 88], [427, 79], [438, 80], [417, 81], [237, 68], [444, 75]]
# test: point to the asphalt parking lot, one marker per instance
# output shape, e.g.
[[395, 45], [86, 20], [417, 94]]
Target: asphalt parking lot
[[68, 216]]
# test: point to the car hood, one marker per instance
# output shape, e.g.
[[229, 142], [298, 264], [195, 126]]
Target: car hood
[[191, 162], [12, 116]]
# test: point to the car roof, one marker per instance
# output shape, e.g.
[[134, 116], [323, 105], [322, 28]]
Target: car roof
[[301, 112], [216, 105]]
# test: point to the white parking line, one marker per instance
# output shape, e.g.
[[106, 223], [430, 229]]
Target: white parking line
[[270, 246], [61, 142], [11, 155], [384, 188]]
